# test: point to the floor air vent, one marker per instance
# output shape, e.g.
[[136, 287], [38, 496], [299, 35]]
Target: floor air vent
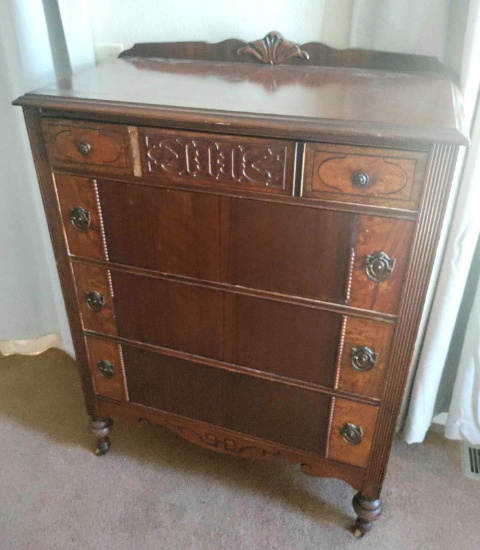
[[471, 460]]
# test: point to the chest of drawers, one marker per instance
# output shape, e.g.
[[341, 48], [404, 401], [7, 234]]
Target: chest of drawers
[[244, 249]]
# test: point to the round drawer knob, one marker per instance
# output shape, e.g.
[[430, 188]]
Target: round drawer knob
[[106, 369], [379, 266], [95, 300], [84, 148], [363, 358], [80, 218], [360, 179], [352, 434]]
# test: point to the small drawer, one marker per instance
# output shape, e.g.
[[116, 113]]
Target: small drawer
[[95, 297], [351, 432], [365, 349], [81, 216], [217, 161], [106, 366], [382, 177], [88, 147]]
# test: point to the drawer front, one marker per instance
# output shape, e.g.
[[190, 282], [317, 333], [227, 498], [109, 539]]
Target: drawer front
[[95, 298], [349, 258], [242, 242], [364, 354], [271, 336], [325, 348], [88, 147], [382, 177], [283, 414], [351, 432], [106, 366], [216, 161]]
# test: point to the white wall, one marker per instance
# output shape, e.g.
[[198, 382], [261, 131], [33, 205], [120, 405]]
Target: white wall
[[33, 52], [30, 298], [129, 21]]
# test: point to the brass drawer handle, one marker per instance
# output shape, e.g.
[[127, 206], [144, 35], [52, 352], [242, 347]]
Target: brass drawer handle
[[360, 179], [352, 434], [80, 218], [106, 369], [379, 266], [363, 358], [84, 148], [95, 300]]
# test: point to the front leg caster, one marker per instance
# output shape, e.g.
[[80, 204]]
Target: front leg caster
[[101, 428], [367, 511]]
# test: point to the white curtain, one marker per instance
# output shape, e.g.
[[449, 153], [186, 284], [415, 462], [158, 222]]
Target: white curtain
[[447, 374], [408, 26], [438, 368], [34, 50]]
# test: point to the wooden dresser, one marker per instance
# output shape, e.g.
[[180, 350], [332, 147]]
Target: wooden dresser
[[244, 235]]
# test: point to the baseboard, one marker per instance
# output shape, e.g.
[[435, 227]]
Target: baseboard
[[32, 346]]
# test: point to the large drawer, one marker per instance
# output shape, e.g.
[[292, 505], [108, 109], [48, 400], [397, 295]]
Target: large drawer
[[293, 341], [273, 411], [338, 428], [337, 257]]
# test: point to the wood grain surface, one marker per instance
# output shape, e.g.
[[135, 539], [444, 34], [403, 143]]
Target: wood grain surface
[[361, 415]]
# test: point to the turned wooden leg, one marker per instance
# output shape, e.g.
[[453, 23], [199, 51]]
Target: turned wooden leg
[[101, 428], [367, 511]]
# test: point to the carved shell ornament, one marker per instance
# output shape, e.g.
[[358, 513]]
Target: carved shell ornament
[[273, 49]]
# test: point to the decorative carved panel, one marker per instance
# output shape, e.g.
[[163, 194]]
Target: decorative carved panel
[[273, 49], [231, 162]]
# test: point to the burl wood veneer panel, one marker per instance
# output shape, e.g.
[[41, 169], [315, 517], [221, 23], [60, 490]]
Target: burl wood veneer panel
[[111, 384], [377, 235], [365, 353], [88, 147], [81, 216], [382, 177], [95, 297], [361, 416]]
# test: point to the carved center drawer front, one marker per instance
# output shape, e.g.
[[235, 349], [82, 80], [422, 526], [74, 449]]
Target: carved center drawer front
[[380, 177], [88, 147], [225, 162]]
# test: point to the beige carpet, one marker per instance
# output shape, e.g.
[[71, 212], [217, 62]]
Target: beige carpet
[[156, 491]]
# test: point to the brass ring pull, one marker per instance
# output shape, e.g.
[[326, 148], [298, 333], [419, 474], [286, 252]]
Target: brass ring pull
[[363, 358], [352, 434], [379, 266], [80, 218], [360, 179], [84, 148], [95, 300], [107, 370]]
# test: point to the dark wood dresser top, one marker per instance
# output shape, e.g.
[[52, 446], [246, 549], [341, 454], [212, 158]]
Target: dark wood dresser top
[[302, 100]]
